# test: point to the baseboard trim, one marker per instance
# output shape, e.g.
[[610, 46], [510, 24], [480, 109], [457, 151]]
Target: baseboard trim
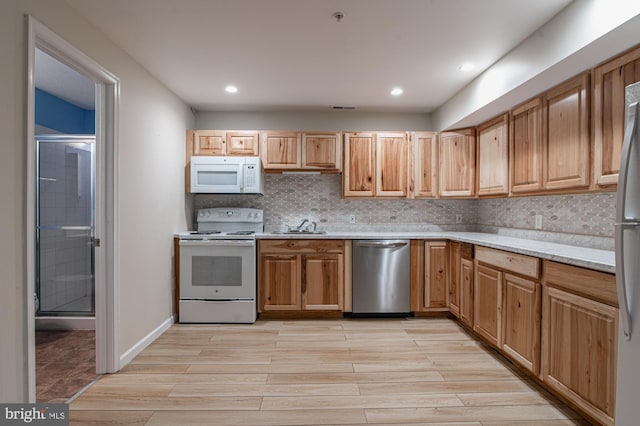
[[135, 350]]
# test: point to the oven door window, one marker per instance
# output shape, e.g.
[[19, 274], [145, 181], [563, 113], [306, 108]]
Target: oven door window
[[217, 272]]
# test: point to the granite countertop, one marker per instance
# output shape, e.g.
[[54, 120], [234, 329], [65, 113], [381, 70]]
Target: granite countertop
[[600, 260]]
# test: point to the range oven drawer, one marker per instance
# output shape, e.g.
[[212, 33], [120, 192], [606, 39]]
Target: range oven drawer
[[218, 311]]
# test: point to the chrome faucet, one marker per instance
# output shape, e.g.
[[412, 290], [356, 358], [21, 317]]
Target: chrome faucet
[[299, 228]]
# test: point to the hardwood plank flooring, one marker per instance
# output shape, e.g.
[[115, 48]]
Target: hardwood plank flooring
[[418, 371]]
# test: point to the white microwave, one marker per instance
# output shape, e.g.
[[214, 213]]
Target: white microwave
[[226, 175]]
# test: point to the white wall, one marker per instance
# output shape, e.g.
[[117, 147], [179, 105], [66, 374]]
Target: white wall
[[312, 120], [150, 172], [583, 35]]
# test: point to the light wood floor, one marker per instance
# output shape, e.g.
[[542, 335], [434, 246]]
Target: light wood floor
[[329, 372]]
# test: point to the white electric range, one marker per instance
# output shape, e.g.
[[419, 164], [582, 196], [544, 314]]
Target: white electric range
[[218, 267]]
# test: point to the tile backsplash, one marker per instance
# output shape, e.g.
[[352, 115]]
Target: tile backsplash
[[289, 199], [585, 219]]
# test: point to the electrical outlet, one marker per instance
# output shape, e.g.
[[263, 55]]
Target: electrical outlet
[[458, 218], [352, 218], [538, 221]]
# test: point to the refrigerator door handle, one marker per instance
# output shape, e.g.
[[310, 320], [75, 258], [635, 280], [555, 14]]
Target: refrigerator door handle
[[621, 284]]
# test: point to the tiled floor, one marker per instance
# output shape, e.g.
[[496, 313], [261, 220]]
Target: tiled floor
[[334, 372], [65, 363]]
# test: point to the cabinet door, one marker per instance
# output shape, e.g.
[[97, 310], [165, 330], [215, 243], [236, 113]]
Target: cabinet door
[[322, 151], [209, 142], [280, 150], [436, 265], [525, 147], [455, 285], [521, 321], [610, 81], [579, 350], [391, 165], [280, 282], [359, 165], [322, 282], [457, 163], [466, 291], [425, 164], [488, 303], [565, 122], [243, 143], [493, 156]]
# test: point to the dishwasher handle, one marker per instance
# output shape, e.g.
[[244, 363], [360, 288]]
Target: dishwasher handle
[[382, 244]]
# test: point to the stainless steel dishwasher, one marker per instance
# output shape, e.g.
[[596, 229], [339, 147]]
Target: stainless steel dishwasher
[[381, 277]]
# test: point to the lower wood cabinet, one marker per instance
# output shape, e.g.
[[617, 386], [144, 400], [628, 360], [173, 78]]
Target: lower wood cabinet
[[429, 276], [579, 338], [488, 303], [507, 304], [301, 275], [460, 285]]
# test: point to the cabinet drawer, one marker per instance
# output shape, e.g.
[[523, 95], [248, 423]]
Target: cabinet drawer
[[291, 246], [586, 282], [518, 263]]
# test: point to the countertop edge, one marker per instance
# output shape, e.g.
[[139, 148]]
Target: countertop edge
[[600, 260]]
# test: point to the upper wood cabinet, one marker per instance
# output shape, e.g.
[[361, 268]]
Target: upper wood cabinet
[[391, 165], [375, 164], [359, 164], [493, 156], [321, 151], [525, 147], [280, 150], [457, 161], [225, 142], [423, 167], [566, 143], [609, 84]]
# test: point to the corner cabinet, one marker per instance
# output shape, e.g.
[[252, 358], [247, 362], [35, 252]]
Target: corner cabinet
[[457, 161], [566, 142], [610, 80], [225, 142], [375, 164], [579, 337], [460, 286], [295, 276], [493, 157]]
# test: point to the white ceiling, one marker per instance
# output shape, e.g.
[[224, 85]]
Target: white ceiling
[[292, 54]]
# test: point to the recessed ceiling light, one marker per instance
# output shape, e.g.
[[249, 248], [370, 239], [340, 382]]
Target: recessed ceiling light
[[396, 91], [467, 66], [231, 89]]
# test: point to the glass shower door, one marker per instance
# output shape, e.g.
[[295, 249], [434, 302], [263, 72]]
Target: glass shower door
[[65, 226]]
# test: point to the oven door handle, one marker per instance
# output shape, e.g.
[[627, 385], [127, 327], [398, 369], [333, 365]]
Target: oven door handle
[[217, 243]]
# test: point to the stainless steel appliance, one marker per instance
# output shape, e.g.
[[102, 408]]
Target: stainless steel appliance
[[218, 267], [627, 235], [381, 277], [227, 175]]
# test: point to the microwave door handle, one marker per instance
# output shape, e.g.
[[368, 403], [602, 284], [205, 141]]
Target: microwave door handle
[[241, 177]]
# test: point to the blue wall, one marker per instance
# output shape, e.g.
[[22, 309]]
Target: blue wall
[[60, 115]]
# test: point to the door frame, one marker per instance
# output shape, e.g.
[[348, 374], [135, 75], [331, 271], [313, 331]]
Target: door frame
[[106, 217]]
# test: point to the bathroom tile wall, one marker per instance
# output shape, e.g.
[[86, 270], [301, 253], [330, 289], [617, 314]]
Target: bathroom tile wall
[[584, 220]]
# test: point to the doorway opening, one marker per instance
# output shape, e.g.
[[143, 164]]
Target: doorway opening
[[71, 217]]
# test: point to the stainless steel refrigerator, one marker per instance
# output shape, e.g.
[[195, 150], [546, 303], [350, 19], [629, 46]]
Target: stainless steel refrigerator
[[627, 235]]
